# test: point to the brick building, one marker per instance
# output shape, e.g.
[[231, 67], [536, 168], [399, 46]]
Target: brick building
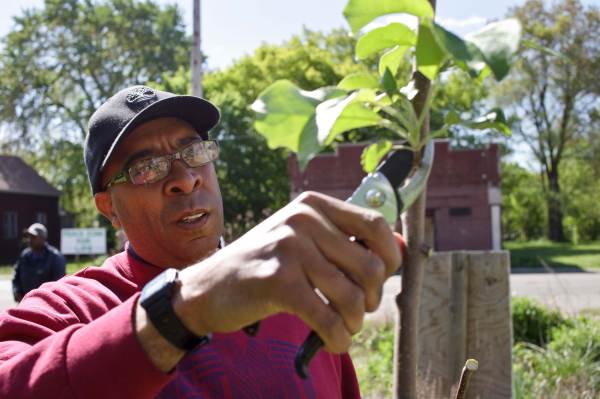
[[25, 198], [463, 192]]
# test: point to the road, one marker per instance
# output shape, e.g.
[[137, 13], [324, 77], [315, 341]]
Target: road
[[569, 292], [6, 297]]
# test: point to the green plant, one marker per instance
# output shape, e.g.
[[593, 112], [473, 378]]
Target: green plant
[[307, 121], [580, 337], [372, 352], [534, 323], [568, 367]]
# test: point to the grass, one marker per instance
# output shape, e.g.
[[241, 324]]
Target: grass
[[73, 265], [372, 352], [561, 255], [567, 367]]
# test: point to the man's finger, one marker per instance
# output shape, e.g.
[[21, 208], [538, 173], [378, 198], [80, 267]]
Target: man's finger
[[344, 295], [367, 225], [321, 317]]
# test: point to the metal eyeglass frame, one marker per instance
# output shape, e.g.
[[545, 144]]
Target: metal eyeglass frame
[[124, 175]]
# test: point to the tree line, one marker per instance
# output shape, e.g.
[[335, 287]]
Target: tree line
[[60, 62]]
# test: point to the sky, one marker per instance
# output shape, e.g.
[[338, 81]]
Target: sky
[[233, 28]]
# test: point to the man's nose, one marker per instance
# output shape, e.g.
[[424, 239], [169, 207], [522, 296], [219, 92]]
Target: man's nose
[[183, 179]]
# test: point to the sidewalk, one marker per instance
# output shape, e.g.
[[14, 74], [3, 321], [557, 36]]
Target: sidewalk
[[569, 292], [6, 297]]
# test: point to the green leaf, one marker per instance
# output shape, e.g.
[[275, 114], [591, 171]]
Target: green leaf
[[373, 154], [452, 118], [359, 13], [440, 133], [385, 37], [388, 82], [485, 72], [359, 80], [339, 115], [465, 54], [430, 55], [392, 59], [498, 42], [493, 120], [285, 116], [309, 145]]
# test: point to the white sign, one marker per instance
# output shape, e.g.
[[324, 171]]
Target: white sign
[[83, 241]]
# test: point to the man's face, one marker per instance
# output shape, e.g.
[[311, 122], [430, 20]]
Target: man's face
[[175, 221], [35, 242]]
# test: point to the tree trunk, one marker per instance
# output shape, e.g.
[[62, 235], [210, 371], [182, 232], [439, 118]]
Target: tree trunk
[[406, 355], [555, 215]]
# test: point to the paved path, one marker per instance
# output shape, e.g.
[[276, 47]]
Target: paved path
[[6, 297], [569, 292]]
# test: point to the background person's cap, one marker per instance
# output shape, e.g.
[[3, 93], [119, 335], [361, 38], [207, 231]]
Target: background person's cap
[[38, 230], [128, 109]]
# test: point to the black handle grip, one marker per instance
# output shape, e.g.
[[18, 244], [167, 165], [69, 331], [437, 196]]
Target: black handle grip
[[307, 351], [252, 329], [313, 343]]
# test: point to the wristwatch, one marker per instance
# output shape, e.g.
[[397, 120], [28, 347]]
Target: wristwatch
[[156, 299]]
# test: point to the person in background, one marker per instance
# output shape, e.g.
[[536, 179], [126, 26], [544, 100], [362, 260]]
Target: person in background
[[40, 262]]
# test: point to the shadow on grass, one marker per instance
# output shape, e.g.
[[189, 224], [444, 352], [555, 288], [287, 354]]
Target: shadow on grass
[[553, 257], [561, 268]]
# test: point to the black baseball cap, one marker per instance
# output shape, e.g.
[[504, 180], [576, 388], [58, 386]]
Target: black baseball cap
[[131, 107]]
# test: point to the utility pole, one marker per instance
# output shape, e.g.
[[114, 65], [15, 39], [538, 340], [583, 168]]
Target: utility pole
[[196, 53]]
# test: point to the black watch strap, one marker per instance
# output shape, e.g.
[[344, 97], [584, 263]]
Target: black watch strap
[[156, 299]]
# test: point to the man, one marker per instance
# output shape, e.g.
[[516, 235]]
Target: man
[[37, 264], [94, 335]]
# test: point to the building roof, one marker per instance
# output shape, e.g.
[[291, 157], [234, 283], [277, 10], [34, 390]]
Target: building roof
[[17, 177]]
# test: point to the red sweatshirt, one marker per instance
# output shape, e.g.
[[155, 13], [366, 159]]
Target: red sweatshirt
[[74, 339]]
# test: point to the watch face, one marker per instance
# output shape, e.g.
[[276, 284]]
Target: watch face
[[164, 281]]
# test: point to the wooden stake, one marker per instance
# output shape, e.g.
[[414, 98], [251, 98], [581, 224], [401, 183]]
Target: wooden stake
[[471, 365]]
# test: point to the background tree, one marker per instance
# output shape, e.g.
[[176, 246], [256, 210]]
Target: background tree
[[523, 206], [60, 62], [554, 93], [580, 183]]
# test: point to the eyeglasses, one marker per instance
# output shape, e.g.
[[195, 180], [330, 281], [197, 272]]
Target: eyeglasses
[[151, 170]]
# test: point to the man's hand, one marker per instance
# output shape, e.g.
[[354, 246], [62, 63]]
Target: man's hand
[[279, 265]]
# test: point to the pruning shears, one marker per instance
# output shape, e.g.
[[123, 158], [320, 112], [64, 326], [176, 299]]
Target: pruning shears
[[390, 190]]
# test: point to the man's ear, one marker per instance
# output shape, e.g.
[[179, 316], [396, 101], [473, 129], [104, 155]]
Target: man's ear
[[104, 205]]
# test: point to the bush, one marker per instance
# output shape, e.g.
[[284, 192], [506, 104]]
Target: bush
[[532, 322], [581, 338], [568, 367]]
